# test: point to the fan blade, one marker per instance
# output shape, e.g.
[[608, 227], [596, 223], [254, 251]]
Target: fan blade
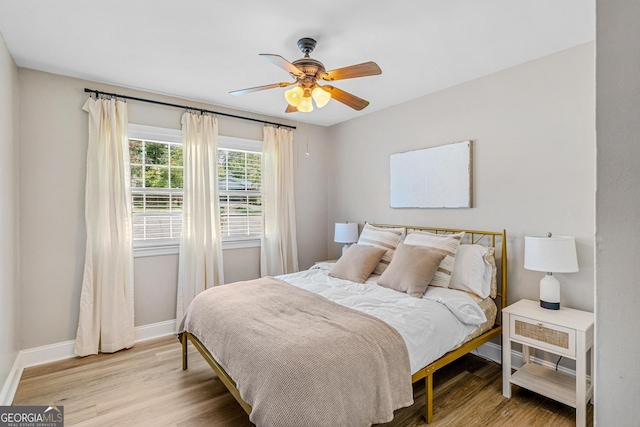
[[291, 109], [346, 98], [361, 70], [259, 88], [283, 63]]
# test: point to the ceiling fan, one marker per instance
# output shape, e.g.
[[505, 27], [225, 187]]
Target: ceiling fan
[[307, 72]]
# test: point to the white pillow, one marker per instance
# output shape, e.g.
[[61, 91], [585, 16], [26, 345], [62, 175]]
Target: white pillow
[[446, 244], [472, 271], [460, 304]]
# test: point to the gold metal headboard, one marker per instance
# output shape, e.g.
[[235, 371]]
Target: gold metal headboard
[[487, 238]]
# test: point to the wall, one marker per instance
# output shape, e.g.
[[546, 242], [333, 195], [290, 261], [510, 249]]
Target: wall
[[617, 383], [156, 279], [534, 160], [53, 138], [9, 260]]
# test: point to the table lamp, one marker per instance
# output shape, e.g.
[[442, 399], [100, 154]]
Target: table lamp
[[347, 233], [551, 254]]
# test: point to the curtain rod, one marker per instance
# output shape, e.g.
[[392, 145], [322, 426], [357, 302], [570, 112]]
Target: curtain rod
[[186, 107]]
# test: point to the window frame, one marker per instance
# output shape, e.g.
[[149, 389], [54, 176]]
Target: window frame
[[166, 135]]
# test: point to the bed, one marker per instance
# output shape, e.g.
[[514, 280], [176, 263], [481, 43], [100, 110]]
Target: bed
[[365, 307]]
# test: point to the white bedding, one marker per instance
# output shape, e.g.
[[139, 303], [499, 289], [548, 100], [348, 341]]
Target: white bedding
[[430, 327]]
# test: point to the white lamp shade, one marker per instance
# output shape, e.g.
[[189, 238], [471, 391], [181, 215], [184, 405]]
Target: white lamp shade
[[556, 254], [346, 232]]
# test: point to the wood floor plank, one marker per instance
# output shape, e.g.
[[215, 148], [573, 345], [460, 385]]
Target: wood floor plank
[[145, 385]]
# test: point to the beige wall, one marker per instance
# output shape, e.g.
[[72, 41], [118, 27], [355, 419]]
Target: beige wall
[[156, 279], [533, 128], [53, 137], [9, 260], [617, 384]]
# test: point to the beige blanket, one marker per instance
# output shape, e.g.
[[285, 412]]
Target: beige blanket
[[299, 359]]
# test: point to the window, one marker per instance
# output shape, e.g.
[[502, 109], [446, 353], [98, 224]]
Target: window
[[239, 174], [157, 189]]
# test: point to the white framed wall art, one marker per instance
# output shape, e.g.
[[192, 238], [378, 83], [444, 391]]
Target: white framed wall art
[[435, 177]]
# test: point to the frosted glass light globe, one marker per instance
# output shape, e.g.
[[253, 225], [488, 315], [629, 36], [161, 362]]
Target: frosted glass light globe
[[294, 96], [321, 96]]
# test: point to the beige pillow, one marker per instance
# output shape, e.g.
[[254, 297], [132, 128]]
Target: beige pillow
[[386, 238], [411, 270], [446, 244], [357, 263]]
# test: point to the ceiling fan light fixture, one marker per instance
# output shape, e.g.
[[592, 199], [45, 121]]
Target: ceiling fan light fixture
[[307, 72], [321, 96], [294, 96], [306, 106]]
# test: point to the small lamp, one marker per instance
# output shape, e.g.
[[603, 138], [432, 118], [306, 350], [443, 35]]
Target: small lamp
[[552, 254], [346, 233]]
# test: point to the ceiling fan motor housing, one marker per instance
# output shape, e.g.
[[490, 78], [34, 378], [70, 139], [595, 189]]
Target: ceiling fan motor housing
[[312, 68], [306, 45]]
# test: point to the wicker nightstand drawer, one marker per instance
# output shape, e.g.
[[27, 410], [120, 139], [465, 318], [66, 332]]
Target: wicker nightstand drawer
[[547, 336]]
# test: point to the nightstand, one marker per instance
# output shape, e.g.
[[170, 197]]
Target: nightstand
[[565, 332]]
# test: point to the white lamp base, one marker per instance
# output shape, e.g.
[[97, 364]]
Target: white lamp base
[[550, 292], [344, 248]]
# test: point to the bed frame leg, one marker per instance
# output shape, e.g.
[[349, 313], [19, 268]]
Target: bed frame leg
[[184, 351], [428, 392]]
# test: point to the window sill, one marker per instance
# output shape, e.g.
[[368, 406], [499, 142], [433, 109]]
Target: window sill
[[241, 244], [147, 251]]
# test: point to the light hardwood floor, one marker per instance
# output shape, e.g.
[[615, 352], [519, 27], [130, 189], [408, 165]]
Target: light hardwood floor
[[146, 385]]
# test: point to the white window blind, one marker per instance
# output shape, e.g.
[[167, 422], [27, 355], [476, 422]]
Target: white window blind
[[240, 181], [157, 186]]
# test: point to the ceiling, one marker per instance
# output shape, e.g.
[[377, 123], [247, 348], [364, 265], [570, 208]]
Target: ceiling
[[202, 49]]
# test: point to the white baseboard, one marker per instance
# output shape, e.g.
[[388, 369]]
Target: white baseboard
[[490, 351], [11, 383], [64, 350], [47, 354], [155, 330]]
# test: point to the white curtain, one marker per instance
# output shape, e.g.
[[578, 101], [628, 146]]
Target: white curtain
[[279, 250], [200, 265], [106, 301]]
